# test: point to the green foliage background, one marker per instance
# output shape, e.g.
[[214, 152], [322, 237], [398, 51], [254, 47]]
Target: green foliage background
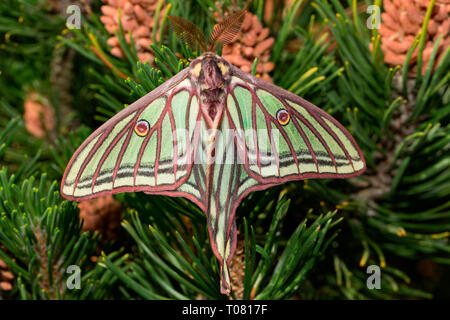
[[310, 240]]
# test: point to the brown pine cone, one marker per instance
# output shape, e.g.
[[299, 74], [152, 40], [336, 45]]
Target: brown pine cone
[[137, 17], [60, 6], [102, 214], [39, 115], [61, 75], [6, 277], [271, 6], [252, 42], [402, 21], [429, 269], [237, 270]]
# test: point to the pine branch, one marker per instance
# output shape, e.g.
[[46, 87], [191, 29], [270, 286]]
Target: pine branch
[[42, 235]]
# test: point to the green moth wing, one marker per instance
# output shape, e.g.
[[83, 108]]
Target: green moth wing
[[310, 143], [126, 154]]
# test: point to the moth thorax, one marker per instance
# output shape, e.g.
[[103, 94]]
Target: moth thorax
[[212, 82], [211, 76]]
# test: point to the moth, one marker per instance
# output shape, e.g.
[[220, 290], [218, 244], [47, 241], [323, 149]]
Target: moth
[[212, 134]]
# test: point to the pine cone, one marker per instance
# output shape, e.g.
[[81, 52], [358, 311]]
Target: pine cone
[[6, 277], [137, 17], [429, 269], [402, 21], [252, 42], [60, 6], [39, 115], [237, 270], [101, 214], [61, 75]]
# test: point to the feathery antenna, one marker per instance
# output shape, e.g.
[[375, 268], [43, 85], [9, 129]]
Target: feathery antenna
[[227, 30], [188, 33], [223, 32]]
